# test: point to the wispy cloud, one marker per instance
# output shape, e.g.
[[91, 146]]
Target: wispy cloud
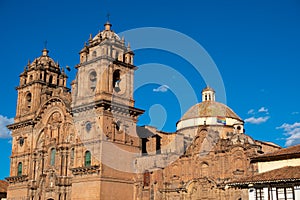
[[257, 120], [289, 127], [4, 121], [263, 110], [293, 133], [263, 116], [251, 112], [162, 88], [295, 113]]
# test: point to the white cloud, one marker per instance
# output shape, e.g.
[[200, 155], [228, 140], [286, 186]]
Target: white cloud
[[257, 120], [162, 88], [251, 112], [289, 127], [293, 133], [4, 121], [263, 110]]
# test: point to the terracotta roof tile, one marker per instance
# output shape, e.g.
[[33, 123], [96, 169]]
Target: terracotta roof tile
[[288, 173], [3, 186], [210, 109], [285, 153]]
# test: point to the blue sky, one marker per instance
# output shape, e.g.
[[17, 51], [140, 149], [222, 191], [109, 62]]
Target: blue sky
[[254, 44]]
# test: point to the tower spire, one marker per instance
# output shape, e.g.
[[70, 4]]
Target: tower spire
[[45, 50], [107, 25]]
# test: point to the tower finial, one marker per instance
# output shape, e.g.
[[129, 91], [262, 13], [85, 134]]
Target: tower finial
[[45, 51], [107, 25]]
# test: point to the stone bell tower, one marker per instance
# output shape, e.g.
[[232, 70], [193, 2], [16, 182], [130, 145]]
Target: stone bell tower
[[40, 133], [43, 71], [105, 117], [105, 70]]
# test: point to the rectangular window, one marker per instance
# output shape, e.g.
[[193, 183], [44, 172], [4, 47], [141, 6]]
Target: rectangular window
[[272, 193], [87, 159], [19, 169], [52, 158], [259, 194], [285, 193]]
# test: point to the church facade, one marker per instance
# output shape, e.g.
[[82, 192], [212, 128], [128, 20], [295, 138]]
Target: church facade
[[84, 142]]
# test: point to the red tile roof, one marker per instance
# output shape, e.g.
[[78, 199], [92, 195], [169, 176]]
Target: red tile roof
[[285, 153], [284, 174], [3, 186]]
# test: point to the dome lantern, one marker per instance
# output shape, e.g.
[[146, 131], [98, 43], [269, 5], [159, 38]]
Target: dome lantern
[[208, 94]]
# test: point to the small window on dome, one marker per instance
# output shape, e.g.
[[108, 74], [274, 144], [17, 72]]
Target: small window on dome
[[94, 54]]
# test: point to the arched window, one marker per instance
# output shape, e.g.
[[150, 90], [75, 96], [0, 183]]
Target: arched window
[[94, 54], [116, 80], [28, 99], [72, 157], [118, 125], [52, 157], [19, 169], [50, 79], [72, 153], [146, 179], [238, 162], [204, 169], [93, 80], [87, 159]]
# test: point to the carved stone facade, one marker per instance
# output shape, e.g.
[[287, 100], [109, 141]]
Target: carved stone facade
[[84, 143]]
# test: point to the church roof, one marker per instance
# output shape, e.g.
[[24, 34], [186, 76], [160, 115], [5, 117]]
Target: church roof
[[285, 153], [44, 61], [208, 89], [283, 174], [3, 186], [210, 109], [106, 33]]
